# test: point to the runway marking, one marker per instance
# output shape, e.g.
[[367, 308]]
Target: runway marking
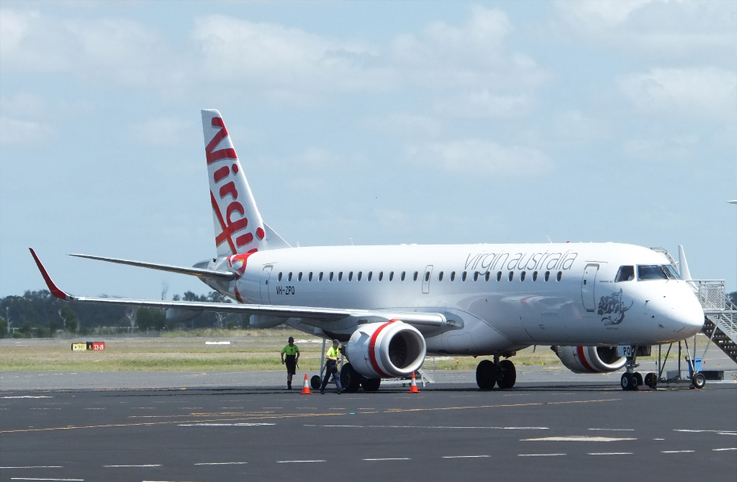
[[386, 459], [94, 408], [677, 451], [612, 429], [243, 424], [541, 455], [222, 463], [57, 480], [505, 405], [35, 467], [134, 466], [713, 450], [720, 432], [300, 461], [609, 453], [27, 396], [578, 438], [447, 427], [169, 422], [466, 456]]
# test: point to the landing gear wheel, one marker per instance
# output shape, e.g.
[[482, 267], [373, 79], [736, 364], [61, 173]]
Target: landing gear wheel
[[627, 381], [315, 382], [349, 378], [370, 384], [486, 375], [638, 379], [651, 380], [507, 374], [698, 380]]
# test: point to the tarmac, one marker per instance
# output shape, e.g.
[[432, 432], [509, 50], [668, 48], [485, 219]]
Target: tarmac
[[243, 426]]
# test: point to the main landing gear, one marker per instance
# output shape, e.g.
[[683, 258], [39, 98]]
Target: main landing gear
[[501, 373], [632, 379]]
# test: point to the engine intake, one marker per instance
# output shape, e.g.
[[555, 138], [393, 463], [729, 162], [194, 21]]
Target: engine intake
[[383, 350], [590, 359]]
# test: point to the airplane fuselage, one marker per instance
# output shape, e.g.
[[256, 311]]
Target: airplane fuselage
[[500, 297]]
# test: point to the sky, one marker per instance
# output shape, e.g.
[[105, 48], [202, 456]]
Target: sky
[[366, 123]]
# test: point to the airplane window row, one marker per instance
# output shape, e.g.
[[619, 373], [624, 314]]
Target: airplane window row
[[403, 276]]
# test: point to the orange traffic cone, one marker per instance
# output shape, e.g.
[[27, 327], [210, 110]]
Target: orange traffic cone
[[413, 386], [306, 387]]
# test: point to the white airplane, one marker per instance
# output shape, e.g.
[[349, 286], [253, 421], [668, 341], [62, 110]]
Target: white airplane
[[597, 304]]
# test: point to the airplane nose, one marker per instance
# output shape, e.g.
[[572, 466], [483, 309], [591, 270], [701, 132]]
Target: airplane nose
[[687, 314]]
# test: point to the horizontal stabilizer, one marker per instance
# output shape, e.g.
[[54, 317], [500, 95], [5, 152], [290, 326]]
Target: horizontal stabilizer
[[200, 272]]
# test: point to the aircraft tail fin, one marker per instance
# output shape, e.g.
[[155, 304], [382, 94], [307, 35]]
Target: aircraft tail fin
[[683, 264], [239, 228]]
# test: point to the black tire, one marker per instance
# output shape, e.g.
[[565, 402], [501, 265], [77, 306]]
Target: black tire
[[627, 381], [486, 374], [638, 379], [698, 380], [315, 382], [370, 384], [651, 380], [506, 374], [349, 378]]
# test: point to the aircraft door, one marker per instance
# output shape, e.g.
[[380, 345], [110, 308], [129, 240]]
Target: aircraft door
[[265, 278], [426, 279], [588, 286]]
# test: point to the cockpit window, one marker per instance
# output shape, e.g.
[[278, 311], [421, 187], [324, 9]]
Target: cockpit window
[[625, 273], [656, 272]]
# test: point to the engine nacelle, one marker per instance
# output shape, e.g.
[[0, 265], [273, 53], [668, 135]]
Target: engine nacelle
[[590, 359], [386, 349]]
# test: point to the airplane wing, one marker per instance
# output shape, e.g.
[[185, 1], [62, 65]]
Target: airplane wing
[[315, 313], [202, 272]]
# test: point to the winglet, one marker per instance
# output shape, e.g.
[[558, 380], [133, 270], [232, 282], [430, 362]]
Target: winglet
[[49, 282], [683, 264]]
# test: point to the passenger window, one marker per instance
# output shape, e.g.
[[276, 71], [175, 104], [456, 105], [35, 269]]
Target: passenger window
[[320, 277], [289, 278], [340, 276], [371, 273], [488, 275], [381, 275], [499, 276], [534, 276], [453, 276], [416, 274], [404, 273], [360, 273], [476, 276], [523, 275], [299, 276], [309, 278], [625, 273], [440, 276], [464, 276], [391, 276], [427, 276], [560, 275], [350, 276], [330, 278], [279, 278], [547, 275], [511, 275]]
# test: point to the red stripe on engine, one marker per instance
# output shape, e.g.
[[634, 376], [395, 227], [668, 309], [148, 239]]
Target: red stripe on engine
[[583, 360], [372, 344]]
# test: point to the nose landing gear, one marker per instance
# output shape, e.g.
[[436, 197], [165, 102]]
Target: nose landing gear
[[631, 379]]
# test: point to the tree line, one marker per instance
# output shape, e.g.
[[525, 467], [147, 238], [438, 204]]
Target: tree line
[[38, 314]]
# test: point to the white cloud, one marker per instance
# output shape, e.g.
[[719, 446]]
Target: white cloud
[[592, 14], [14, 132], [484, 103], [405, 125], [481, 157], [692, 93], [283, 60], [163, 131], [676, 148], [575, 125]]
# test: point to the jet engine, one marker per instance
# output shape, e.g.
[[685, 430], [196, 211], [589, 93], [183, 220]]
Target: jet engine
[[590, 359], [386, 349]]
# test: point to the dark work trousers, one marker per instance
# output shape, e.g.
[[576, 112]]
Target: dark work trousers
[[331, 368]]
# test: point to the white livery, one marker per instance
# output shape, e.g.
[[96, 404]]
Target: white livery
[[391, 305]]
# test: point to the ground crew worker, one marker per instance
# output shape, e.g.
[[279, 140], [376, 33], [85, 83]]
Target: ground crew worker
[[331, 367], [292, 356]]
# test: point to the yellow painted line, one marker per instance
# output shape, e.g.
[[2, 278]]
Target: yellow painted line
[[505, 405]]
